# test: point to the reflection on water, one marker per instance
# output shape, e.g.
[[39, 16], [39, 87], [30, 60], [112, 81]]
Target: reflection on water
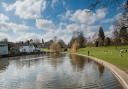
[[3, 64], [54, 71], [101, 70], [78, 62]]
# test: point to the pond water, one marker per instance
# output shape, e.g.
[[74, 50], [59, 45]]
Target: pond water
[[55, 71]]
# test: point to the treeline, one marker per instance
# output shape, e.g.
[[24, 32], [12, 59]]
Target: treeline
[[51, 43]]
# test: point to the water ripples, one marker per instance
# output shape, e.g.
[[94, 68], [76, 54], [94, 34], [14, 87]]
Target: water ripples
[[55, 71]]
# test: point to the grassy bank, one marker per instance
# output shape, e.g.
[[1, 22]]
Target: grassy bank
[[110, 54], [45, 49]]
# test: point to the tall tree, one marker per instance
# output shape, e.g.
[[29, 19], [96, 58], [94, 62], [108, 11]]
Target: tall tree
[[116, 38], [55, 47], [123, 34], [42, 41], [81, 40], [79, 37], [62, 43], [101, 37], [75, 46], [121, 27], [71, 42], [101, 33], [28, 42], [48, 43]]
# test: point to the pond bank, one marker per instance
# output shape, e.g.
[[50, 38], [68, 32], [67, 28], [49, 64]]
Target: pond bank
[[119, 74], [23, 54]]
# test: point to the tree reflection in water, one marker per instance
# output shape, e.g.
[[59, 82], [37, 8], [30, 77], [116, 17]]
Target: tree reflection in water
[[78, 62], [3, 64], [101, 69], [57, 58]]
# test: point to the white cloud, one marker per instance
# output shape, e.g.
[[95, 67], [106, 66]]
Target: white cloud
[[3, 17], [109, 20], [59, 33], [88, 30], [101, 13], [73, 27], [17, 32], [8, 7], [27, 9], [45, 24], [12, 27], [86, 16], [66, 16], [12, 30], [83, 16]]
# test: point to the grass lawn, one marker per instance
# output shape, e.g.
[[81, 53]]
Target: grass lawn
[[110, 54], [45, 49]]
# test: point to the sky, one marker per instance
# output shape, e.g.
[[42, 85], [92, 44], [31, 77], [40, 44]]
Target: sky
[[22, 20]]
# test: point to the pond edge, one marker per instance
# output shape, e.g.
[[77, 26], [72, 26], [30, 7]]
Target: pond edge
[[121, 76]]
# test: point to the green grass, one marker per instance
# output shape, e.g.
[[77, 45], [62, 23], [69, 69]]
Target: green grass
[[110, 54], [45, 49]]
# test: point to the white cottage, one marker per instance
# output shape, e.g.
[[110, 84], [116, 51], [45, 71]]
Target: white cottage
[[3, 48], [27, 48]]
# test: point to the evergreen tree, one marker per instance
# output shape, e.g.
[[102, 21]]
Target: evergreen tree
[[101, 37], [42, 41], [101, 33]]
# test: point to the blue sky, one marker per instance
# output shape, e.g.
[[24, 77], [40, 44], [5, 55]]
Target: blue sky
[[35, 19]]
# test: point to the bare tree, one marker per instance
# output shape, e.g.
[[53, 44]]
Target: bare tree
[[55, 47], [75, 46], [121, 27], [79, 37], [36, 40]]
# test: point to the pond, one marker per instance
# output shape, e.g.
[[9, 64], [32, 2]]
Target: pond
[[55, 71]]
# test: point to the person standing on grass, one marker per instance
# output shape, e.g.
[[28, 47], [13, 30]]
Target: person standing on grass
[[88, 52]]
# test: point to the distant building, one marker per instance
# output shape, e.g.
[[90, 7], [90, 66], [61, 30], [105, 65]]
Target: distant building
[[3, 48], [27, 48]]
